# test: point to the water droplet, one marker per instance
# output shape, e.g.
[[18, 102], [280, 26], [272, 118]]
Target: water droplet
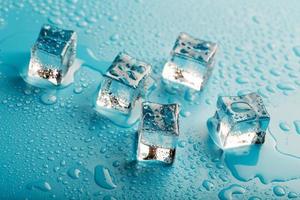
[[292, 195], [243, 92], [2, 22], [113, 18], [241, 80], [182, 143], [40, 185], [74, 173], [114, 37], [285, 86], [297, 126], [296, 50], [254, 198], [226, 193], [27, 91], [279, 191], [208, 185], [48, 98], [184, 113], [108, 197], [103, 178], [255, 19], [284, 126], [275, 72], [116, 163], [78, 90]]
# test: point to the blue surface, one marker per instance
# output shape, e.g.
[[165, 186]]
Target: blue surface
[[54, 146]]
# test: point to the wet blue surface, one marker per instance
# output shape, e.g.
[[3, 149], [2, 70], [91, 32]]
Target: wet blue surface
[[55, 146]]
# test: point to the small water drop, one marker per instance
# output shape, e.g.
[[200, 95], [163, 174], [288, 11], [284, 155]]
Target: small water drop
[[78, 90], [297, 126], [113, 18], [254, 198], [116, 163], [243, 92], [108, 197], [241, 80], [255, 19], [114, 37], [275, 72], [182, 143], [184, 113], [284, 126], [296, 50], [2, 22], [208, 185], [48, 98]]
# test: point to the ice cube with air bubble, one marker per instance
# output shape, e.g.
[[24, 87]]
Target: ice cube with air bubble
[[190, 64], [120, 93], [52, 55], [239, 121], [158, 133]]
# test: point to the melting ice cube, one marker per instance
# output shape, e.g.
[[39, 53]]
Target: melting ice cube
[[52, 54], [191, 62], [120, 93], [239, 121], [158, 132]]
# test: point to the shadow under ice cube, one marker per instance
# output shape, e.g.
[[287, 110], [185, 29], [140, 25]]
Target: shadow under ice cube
[[52, 54], [120, 93], [191, 62], [239, 121], [158, 132]]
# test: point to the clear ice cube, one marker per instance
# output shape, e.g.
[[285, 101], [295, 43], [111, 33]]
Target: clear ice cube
[[239, 121], [191, 62], [158, 132], [52, 54], [120, 93]]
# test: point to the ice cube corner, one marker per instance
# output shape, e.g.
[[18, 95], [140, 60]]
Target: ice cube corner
[[52, 54], [158, 132], [190, 64], [121, 91], [239, 121]]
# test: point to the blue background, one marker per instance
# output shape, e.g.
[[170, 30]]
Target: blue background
[[54, 146]]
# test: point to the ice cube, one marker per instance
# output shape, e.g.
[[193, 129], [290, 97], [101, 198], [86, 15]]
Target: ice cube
[[191, 63], [120, 93], [158, 132], [239, 121], [52, 54]]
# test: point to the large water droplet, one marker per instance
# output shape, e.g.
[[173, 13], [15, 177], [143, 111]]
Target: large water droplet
[[74, 173], [279, 191], [284, 126], [285, 86], [292, 195], [40, 185], [226, 193], [103, 178]]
